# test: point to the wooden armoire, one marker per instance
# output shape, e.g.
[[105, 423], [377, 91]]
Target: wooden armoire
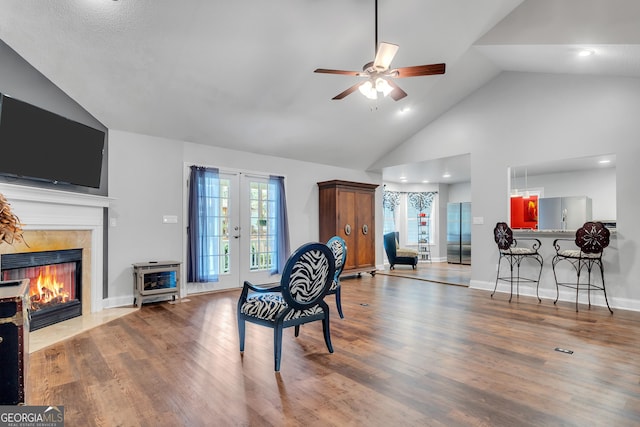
[[347, 209]]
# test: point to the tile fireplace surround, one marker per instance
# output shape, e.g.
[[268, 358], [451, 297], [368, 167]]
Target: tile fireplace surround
[[54, 219]]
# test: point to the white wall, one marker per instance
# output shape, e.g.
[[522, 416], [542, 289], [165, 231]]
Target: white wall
[[520, 118], [146, 182], [460, 192]]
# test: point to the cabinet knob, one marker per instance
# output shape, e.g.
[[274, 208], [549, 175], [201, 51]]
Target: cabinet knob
[[365, 229], [347, 230]]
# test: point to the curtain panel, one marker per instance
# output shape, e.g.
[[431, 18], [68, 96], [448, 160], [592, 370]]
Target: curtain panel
[[203, 229], [421, 201], [282, 225]]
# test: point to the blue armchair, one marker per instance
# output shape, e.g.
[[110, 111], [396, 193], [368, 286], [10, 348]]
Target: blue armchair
[[397, 255]]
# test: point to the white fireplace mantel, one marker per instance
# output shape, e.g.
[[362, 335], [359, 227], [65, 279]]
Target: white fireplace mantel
[[45, 209]]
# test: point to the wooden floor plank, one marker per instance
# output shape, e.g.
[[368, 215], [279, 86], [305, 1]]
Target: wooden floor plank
[[409, 352]]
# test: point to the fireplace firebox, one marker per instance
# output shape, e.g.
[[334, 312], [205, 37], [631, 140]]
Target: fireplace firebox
[[55, 283]]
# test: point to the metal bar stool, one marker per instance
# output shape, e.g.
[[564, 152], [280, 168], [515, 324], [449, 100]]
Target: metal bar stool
[[591, 239], [514, 255]]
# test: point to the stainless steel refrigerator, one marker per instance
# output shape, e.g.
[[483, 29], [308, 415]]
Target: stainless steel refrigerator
[[563, 213], [459, 233]]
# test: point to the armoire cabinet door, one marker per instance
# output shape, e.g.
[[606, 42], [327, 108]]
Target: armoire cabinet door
[[347, 225], [365, 234]]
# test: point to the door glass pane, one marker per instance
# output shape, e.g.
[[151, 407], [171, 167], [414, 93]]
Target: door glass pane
[[263, 243], [223, 250]]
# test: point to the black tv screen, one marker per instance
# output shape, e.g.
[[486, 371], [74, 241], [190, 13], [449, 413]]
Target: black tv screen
[[38, 144]]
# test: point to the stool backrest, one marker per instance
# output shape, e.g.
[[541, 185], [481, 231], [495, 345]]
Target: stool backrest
[[592, 237], [503, 236]]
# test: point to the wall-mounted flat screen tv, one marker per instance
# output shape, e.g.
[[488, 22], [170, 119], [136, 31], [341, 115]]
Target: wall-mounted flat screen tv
[[41, 145]]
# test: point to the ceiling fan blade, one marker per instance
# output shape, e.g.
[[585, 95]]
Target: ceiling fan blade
[[327, 71], [384, 56], [397, 93], [420, 70], [348, 91]]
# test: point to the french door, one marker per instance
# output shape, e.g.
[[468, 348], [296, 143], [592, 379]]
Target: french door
[[246, 248]]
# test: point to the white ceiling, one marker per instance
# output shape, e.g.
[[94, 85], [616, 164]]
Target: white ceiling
[[240, 74]]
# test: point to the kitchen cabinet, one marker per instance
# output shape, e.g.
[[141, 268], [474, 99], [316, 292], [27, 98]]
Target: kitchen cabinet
[[347, 209]]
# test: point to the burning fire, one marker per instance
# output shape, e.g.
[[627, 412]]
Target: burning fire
[[47, 289]]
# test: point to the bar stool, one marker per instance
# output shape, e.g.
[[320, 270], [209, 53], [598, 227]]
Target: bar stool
[[514, 255], [591, 239]]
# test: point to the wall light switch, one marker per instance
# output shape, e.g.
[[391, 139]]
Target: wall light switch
[[113, 222], [169, 219], [479, 220]]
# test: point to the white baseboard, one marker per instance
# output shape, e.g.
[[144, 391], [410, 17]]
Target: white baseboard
[[566, 295]]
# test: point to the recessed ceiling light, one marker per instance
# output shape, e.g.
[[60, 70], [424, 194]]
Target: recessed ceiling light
[[605, 161], [446, 175], [405, 110], [426, 181], [585, 52]]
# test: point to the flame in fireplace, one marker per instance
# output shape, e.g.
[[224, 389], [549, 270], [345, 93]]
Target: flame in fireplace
[[47, 289]]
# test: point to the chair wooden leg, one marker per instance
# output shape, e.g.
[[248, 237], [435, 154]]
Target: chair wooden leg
[[277, 346], [296, 330], [241, 332], [339, 302], [327, 333]]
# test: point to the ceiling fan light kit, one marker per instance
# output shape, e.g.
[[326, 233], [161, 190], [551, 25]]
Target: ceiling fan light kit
[[378, 73]]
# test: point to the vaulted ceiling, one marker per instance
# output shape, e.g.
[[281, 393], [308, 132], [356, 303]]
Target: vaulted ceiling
[[240, 74]]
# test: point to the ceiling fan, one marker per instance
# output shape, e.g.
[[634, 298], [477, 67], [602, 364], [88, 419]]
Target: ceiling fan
[[379, 77]]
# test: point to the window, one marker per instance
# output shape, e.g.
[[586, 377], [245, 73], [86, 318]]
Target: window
[[412, 224], [262, 201], [388, 223]]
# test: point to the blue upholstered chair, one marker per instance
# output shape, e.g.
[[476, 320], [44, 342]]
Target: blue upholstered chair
[[590, 241], [339, 248], [397, 255], [298, 299]]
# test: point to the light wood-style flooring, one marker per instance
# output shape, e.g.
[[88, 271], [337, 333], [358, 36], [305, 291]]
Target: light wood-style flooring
[[408, 353]]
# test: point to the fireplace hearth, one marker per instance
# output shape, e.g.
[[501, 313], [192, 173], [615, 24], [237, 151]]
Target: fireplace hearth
[[55, 283]]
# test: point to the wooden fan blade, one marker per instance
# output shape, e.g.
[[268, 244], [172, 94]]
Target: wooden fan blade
[[420, 70], [327, 71], [384, 56], [348, 91], [397, 93]]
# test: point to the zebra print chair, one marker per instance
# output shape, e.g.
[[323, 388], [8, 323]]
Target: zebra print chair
[[339, 248], [298, 299]]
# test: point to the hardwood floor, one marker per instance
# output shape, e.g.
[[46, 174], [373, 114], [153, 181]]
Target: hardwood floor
[[409, 352]]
